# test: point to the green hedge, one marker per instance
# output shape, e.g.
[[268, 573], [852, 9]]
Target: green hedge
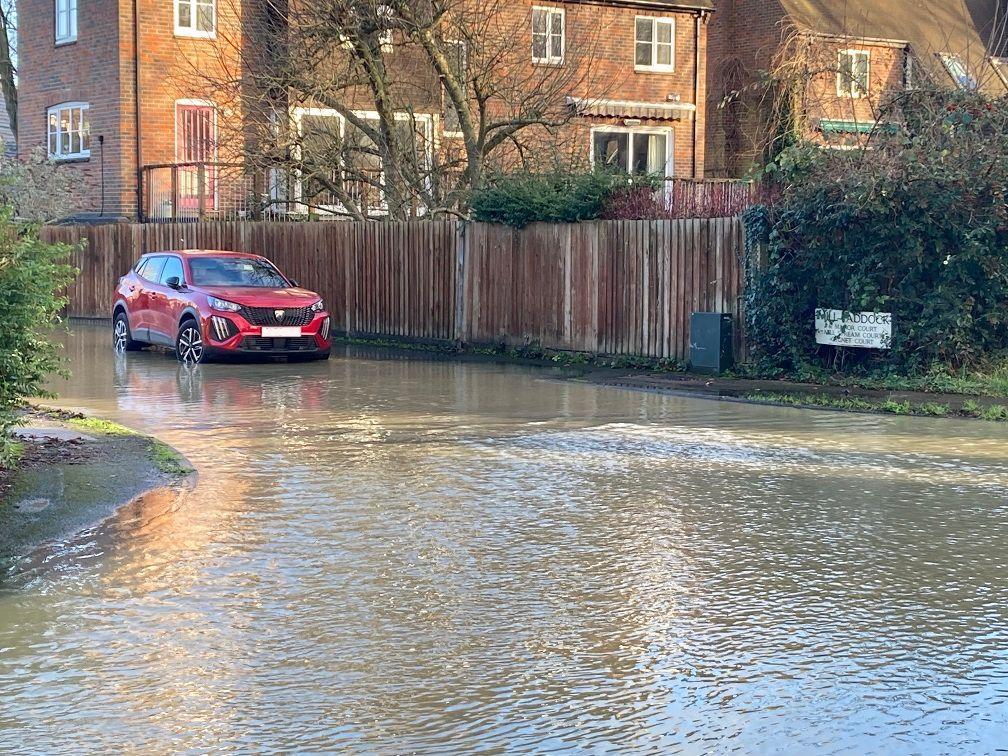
[[31, 274], [520, 199], [917, 227]]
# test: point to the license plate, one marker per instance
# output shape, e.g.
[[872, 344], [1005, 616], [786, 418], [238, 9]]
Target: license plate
[[281, 331]]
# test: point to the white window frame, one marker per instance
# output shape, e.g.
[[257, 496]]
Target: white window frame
[[549, 12], [83, 153], [655, 20], [385, 39], [192, 31], [444, 95], [847, 87], [949, 61], [299, 112], [69, 9], [631, 130], [998, 63]]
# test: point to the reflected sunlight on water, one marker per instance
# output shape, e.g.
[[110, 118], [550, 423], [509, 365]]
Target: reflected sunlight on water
[[393, 554]]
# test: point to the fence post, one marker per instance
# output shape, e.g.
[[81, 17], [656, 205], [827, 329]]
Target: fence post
[[461, 310], [201, 189], [257, 195], [174, 191]]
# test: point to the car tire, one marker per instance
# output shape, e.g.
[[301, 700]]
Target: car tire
[[189, 343], [122, 339]]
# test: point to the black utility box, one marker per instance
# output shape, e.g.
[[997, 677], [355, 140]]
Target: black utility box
[[711, 342]]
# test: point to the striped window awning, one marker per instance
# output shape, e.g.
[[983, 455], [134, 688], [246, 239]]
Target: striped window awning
[[669, 111], [829, 126]]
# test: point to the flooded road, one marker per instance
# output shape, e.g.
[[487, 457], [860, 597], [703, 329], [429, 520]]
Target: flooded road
[[391, 554]]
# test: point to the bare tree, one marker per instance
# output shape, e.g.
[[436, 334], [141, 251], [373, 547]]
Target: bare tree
[[402, 104], [8, 57]]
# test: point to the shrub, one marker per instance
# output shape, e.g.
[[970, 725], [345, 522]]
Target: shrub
[[31, 274], [520, 199], [916, 226]]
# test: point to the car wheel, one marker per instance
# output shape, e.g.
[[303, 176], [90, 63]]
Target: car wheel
[[189, 343], [122, 339]]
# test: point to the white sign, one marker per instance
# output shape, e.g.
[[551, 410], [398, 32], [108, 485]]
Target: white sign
[[868, 330]]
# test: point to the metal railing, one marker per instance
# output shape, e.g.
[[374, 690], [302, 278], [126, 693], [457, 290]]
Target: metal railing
[[230, 191]]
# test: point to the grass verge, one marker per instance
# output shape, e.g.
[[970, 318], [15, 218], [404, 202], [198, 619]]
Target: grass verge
[[167, 460], [970, 408]]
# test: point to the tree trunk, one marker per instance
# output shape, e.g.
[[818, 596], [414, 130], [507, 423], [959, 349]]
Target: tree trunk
[[7, 72]]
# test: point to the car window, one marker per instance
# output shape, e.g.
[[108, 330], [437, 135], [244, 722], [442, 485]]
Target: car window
[[173, 267], [235, 271], [151, 270]]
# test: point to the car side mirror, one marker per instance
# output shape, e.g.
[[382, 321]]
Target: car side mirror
[[173, 283]]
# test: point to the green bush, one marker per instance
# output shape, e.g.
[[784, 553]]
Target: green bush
[[916, 226], [31, 274], [520, 199]]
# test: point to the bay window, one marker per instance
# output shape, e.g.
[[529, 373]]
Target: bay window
[[69, 131]]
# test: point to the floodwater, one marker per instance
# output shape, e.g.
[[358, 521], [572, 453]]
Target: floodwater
[[394, 554]]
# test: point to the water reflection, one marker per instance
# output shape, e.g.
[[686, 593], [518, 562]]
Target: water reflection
[[394, 554]]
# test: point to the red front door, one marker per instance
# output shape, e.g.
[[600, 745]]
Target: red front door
[[196, 142]]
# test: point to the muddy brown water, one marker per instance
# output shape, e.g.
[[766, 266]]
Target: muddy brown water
[[390, 554]]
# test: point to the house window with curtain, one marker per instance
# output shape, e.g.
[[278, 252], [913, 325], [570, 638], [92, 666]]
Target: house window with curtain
[[548, 35], [195, 18], [852, 73], [69, 131], [654, 43], [66, 21], [633, 151]]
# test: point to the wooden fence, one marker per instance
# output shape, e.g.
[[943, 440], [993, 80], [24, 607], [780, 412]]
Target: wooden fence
[[605, 287]]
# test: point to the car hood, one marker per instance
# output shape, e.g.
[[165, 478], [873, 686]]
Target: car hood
[[250, 296]]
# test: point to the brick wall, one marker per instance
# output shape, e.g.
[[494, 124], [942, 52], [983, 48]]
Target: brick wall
[[99, 69], [745, 38], [87, 71]]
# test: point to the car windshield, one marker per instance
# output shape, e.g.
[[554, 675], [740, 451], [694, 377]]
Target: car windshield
[[235, 271]]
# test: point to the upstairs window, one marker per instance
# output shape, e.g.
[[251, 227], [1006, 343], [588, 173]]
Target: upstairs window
[[69, 131], [548, 35], [852, 73], [66, 21], [958, 71], [1001, 69], [455, 51], [195, 18], [654, 43]]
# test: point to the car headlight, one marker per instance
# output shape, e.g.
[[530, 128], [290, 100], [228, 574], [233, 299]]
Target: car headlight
[[223, 305], [318, 306]]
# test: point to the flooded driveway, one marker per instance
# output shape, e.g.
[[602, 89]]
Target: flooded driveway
[[392, 554]]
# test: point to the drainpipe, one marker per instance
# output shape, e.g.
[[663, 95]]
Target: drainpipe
[[136, 107], [696, 88]]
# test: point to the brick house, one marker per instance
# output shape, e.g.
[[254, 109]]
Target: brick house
[[855, 52], [104, 88]]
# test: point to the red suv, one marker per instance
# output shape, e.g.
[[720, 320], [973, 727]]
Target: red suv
[[207, 304]]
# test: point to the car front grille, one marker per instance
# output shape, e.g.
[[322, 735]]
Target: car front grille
[[267, 316], [278, 344]]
